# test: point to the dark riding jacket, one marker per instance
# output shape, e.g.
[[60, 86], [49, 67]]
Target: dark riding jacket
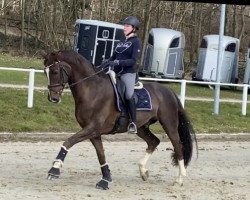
[[127, 52]]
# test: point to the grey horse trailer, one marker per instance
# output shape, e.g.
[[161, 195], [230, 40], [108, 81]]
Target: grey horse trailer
[[164, 54], [247, 69], [207, 60], [95, 39]]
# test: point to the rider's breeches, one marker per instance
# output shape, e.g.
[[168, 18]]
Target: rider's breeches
[[129, 80]]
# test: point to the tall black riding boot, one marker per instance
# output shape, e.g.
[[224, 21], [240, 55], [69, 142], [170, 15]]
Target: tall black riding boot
[[132, 114]]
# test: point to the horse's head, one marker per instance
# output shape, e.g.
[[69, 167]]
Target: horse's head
[[58, 73]]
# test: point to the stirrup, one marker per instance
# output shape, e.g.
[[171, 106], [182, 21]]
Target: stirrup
[[132, 128]]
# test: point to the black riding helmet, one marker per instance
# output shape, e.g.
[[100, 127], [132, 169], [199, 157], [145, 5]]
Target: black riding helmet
[[133, 21]]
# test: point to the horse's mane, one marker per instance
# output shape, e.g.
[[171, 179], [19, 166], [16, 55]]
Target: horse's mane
[[72, 57], [79, 60]]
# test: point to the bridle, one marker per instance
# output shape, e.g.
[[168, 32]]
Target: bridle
[[63, 80], [63, 77]]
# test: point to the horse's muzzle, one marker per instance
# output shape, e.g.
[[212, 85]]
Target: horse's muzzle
[[54, 98]]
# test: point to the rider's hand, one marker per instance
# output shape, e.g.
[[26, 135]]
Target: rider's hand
[[113, 64], [104, 64]]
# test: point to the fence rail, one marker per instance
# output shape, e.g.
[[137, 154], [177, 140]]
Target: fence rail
[[182, 95]]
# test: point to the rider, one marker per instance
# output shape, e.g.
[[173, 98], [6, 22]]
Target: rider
[[123, 62]]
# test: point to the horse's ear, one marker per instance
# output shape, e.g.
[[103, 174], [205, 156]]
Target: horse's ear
[[59, 55]]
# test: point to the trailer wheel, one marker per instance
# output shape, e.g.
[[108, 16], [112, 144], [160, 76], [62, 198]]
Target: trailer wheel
[[234, 88]]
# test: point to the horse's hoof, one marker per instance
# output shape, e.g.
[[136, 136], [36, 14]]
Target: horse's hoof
[[145, 175], [102, 184], [53, 173]]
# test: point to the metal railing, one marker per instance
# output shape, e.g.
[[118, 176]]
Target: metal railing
[[182, 96]]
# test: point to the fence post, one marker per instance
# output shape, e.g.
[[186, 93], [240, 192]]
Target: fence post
[[31, 88], [183, 92], [244, 100]]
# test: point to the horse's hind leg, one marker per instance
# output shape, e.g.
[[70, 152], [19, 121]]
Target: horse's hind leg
[[170, 127], [152, 142]]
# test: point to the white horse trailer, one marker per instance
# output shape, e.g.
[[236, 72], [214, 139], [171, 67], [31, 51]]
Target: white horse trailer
[[247, 69], [207, 60], [95, 40], [164, 54]]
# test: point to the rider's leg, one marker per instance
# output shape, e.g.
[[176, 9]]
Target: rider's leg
[[132, 112], [129, 81]]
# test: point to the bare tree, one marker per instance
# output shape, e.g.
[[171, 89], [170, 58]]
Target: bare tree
[[22, 11], [146, 29]]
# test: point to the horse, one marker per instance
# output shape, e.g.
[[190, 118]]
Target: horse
[[97, 114]]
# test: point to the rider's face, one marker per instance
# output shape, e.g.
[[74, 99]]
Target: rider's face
[[127, 29]]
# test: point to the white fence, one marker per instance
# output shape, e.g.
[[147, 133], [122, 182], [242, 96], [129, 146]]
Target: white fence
[[31, 82], [182, 96]]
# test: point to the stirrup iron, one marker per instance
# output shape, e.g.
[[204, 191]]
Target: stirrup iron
[[132, 128]]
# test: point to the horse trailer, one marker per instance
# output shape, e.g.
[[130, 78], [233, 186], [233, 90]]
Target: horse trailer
[[164, 54], [247, 69], [207, 60], [95, 40]]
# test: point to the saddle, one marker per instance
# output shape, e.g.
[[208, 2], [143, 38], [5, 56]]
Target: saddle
[[142, 99], [141, 95], [111, 73]]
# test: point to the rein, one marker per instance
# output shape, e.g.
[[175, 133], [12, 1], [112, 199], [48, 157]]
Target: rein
[[83, 79], [73, 84]]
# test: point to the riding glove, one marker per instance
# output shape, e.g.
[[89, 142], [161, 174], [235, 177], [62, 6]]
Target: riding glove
[[104, 64], [113, 64]]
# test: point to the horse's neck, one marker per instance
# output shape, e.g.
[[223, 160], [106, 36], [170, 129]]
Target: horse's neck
[[89, 87], [81, 72]]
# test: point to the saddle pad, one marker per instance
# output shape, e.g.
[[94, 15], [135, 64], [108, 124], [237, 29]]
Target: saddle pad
[[143, 100]]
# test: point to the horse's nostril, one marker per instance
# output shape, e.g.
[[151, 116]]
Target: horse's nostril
[[54, 99]]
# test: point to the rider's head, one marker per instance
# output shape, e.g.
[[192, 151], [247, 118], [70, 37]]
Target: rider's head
[[131, 25]]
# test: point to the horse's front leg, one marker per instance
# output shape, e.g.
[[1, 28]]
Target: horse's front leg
[[84, 134], [106, 175]]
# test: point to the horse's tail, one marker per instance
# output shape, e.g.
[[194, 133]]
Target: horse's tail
[[187, 135]]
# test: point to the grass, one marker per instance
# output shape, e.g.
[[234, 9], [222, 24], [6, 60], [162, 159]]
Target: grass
[[21, 78], [44, 116], [7, 60], [49, 117]]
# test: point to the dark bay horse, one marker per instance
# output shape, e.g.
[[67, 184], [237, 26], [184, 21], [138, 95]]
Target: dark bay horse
[[97, 114]]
